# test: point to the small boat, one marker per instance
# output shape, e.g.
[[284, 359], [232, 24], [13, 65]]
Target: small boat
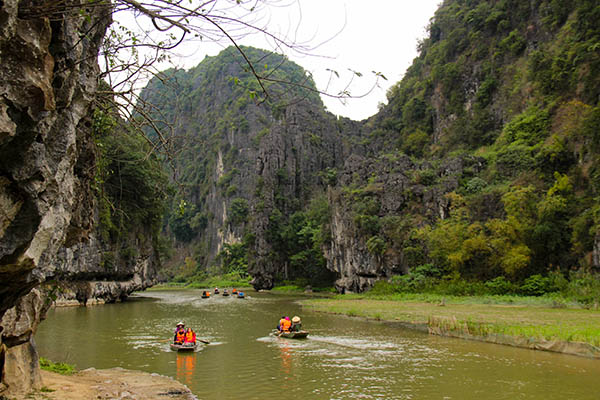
[[205, 294], [241, 295], [291, 335], [184, 347], [225, 292], [216, 291], [234, 291]]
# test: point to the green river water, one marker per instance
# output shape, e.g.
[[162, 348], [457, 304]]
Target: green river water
[[343, 358]]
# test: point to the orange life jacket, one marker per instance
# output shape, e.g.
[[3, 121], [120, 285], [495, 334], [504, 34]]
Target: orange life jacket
[[285, 325], [180, 336], [190, 337]]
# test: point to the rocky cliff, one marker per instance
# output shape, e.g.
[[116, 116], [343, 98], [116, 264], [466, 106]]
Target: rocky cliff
[[499, 109], [48, 79], [49, 211], [246, 164]]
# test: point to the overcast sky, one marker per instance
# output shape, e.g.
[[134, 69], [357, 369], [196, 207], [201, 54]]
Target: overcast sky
[[377, 35], [365, 36]]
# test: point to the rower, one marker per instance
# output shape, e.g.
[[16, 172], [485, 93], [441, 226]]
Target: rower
[[179, 337]]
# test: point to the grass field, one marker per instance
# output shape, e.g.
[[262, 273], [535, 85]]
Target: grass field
[[530, 318]]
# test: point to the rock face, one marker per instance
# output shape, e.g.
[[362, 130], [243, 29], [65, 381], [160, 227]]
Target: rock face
[[244, 163], [47, 91], [47, 80], [83, 277], [288, 163], [372, 196]]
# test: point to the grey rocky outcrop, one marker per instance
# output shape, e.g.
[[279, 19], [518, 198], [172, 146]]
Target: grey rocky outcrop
[[48, 79]]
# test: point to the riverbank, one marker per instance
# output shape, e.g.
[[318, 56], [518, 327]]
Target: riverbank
[[114, 383], [566, 330]]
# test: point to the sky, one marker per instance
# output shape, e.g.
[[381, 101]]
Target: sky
[[343, 35]]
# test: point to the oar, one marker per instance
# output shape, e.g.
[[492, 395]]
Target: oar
[[203, 341]]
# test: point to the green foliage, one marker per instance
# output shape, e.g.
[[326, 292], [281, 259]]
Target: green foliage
[[416, 143], [376, 245], [535, 285], [514, 43], [59, 368], [131, 188], [186, 223], [475, 185], [234, 258], [239, 210], [528, 128]]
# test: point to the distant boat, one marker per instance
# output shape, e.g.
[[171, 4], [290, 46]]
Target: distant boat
[[205, 294], [241, 295], [225, 292], [216, 291]]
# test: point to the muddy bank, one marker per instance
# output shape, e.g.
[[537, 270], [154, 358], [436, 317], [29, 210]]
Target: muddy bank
[[114, 383]]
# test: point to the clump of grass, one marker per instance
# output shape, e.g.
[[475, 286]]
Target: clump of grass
[[352, 312], [288, 289], [60, 368], [45, 389]]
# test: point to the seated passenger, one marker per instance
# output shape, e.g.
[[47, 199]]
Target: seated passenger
[[285, 324], [190, 336], [179, 335], [280, 324]]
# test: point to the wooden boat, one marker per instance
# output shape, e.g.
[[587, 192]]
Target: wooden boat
[[184, 347], [241, 295], [291, 335], [205, 295], [216, 291], [225, 292]]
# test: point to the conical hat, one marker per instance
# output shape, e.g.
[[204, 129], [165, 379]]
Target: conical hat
[[296, 319]]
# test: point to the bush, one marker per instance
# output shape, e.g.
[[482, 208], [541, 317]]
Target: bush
[[500, 286], [535, 285], [584, 287], [475, 185]]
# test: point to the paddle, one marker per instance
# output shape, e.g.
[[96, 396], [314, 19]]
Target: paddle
[[200, 340]]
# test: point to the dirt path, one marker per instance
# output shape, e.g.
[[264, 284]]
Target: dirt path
[[114, 383]]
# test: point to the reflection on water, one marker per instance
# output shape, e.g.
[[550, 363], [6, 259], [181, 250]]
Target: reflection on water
[[343, 358], [186, 362]]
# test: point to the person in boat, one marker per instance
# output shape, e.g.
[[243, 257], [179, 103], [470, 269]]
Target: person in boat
[[234, 291], [285, 324], [179, 337], [296, 324], [179, 324], [190, 337]]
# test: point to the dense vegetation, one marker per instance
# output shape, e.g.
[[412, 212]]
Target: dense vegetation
[[130, 185], [517, 84]]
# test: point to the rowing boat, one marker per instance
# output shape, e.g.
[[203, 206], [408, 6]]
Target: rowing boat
[[291, 335], [184, 347]]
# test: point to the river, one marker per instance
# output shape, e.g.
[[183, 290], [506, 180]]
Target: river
[[343, 358]]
